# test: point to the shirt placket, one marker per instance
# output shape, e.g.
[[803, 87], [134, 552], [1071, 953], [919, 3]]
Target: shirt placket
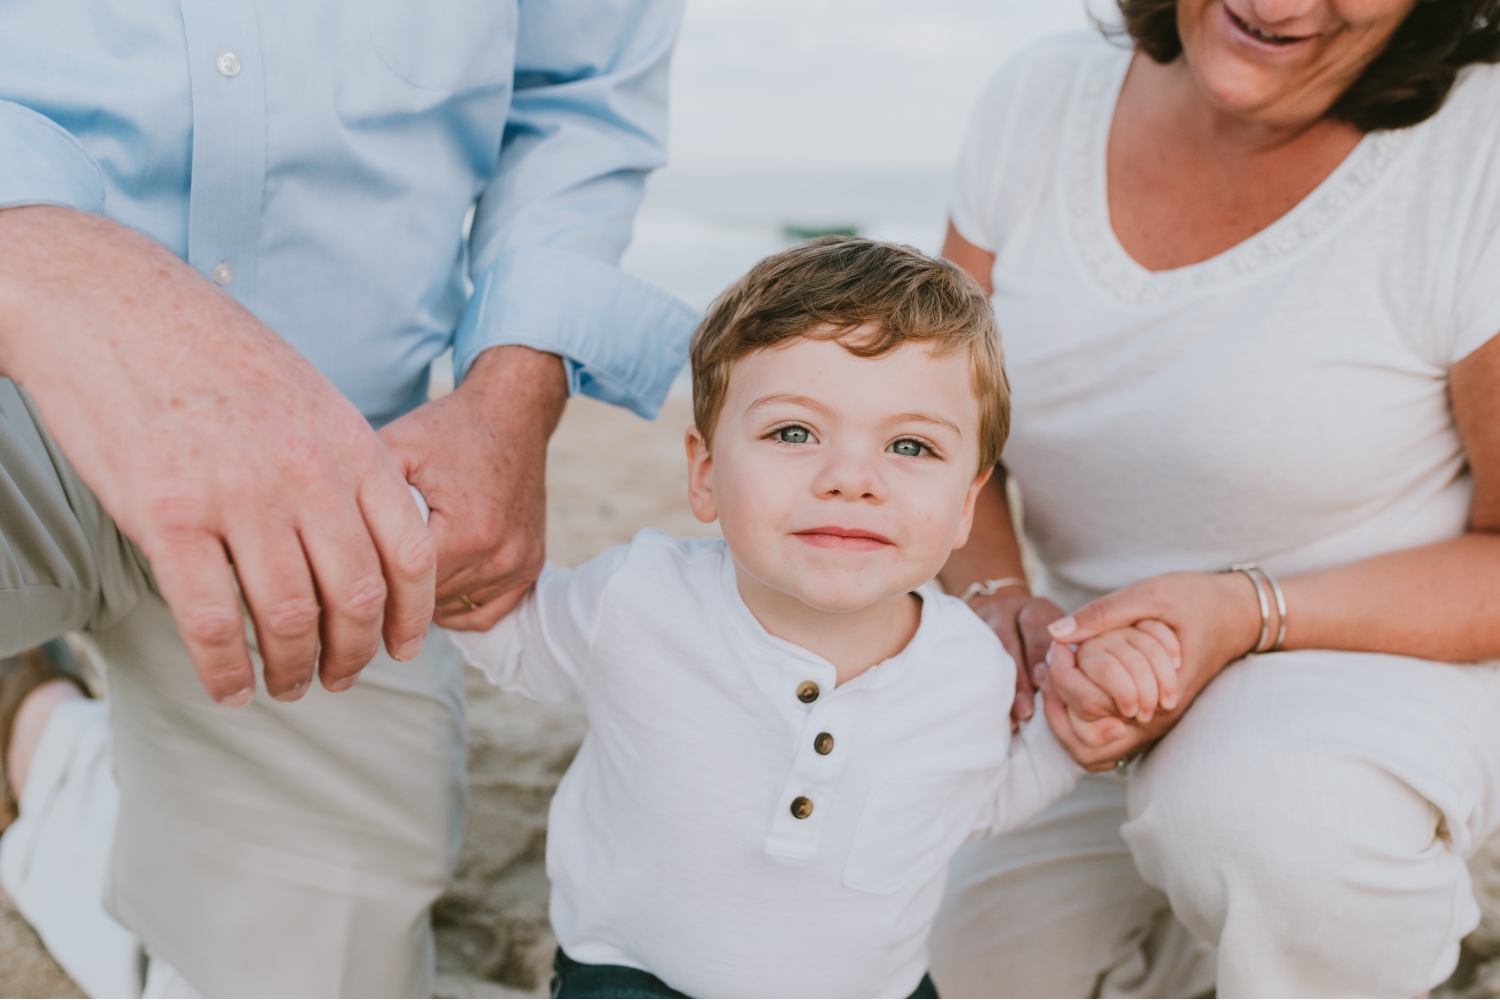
[[822, 751], [229, 142]]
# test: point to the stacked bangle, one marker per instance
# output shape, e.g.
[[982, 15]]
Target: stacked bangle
[[1256, 575]]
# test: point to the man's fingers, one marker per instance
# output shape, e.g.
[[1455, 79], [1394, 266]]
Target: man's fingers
[[1024, 705], [1035, 639], [1002, 620], [193, 575], [278, 589], [353, 592], [408, 559], [484, 615]]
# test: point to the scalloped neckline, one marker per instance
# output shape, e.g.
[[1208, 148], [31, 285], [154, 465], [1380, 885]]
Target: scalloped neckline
[[1092, 230]]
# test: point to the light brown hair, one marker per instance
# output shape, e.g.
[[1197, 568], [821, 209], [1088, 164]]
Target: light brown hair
[[828, 288]]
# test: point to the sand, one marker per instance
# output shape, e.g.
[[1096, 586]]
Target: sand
[[610, 475]]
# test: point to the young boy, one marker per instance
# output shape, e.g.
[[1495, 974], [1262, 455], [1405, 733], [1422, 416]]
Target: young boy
[[791, 730]]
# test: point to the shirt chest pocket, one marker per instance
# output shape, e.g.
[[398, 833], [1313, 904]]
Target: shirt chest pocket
[[902, 833], [446, 45]]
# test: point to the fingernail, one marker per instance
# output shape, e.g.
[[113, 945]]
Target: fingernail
[[1115, 731], [343, 684], [1048, 659], [409, 650], [1062, 627], [239, 699], [292, 694]]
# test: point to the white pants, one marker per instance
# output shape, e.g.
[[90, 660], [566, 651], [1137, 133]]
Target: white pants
[[54, 858], [1310, 819]]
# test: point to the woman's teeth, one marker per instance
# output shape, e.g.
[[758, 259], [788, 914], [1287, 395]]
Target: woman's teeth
[[1264, 36]]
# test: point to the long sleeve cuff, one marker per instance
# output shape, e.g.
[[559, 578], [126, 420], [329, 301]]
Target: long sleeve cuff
[[44, 165], [623, 340]]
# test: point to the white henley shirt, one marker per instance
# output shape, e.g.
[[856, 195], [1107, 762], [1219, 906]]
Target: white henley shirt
[[675, 843]]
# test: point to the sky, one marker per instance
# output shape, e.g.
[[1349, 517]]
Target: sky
[[842, 85], [819, 113]]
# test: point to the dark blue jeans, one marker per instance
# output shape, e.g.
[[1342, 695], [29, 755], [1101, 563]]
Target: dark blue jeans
[[575, 979]]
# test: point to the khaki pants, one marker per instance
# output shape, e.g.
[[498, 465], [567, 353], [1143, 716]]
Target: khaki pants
[[273, 850], [1311, 818]]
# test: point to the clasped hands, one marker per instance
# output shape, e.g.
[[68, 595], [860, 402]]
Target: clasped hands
[[249, 481], [1117, 674]]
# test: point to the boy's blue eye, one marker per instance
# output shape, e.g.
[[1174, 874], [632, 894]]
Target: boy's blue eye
[[793, 435], [909, 448]]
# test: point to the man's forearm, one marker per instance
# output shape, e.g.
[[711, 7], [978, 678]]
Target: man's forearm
[[514, 383]]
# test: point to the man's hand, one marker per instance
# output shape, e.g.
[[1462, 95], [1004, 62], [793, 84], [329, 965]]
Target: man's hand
[[210, 440], [1020, 620], [479, 456]]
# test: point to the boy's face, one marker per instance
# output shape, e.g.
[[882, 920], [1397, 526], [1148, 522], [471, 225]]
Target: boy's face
[[840, 480]]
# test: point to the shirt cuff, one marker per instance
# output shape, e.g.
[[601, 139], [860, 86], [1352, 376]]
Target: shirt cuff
[[623, 340], [44, 165]]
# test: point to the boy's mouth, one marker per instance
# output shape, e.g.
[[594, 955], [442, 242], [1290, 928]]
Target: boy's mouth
[[848, 539]]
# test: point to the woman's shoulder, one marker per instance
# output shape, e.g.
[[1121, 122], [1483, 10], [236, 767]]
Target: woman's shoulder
[[1040, 77], [1471, 114]]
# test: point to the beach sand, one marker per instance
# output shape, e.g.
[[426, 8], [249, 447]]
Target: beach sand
[[610, 475]]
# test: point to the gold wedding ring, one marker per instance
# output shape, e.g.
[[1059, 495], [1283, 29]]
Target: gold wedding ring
[[468, 603]]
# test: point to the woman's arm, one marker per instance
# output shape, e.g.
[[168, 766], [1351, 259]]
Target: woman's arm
[[993, 552], [976, 263], [1437, 602]]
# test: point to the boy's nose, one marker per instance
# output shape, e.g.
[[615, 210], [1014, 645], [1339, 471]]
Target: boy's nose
[[849, 474]]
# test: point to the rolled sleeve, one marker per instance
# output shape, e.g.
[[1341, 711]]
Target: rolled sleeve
[[623, 340], [44, 165], [588, 122]]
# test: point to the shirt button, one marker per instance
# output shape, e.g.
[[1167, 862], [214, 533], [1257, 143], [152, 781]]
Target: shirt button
[[222, 274], [823, 743], [802, 807], [807, 693], [228, 63]]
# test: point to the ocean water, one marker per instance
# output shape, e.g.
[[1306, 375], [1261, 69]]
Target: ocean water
[[791, 117]]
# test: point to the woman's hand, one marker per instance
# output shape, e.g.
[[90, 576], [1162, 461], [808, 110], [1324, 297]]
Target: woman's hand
[[1020, 620], [1216, 617]]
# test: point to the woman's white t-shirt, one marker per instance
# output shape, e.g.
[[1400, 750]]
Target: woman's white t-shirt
[[1285, 401]]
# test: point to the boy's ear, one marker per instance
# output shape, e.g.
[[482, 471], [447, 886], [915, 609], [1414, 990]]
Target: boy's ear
[[700, 486], [966, 521]]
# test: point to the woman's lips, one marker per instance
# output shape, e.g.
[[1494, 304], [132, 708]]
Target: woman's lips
[[1260, 37], [846, 539]]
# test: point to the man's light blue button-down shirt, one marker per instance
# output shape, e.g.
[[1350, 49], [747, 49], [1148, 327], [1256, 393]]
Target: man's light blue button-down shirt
[[318, 157]]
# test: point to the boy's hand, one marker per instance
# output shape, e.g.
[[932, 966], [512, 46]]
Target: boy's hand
[[1136, 666]]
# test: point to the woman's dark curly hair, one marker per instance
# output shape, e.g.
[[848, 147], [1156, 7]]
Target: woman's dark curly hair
[[1403, 85]]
